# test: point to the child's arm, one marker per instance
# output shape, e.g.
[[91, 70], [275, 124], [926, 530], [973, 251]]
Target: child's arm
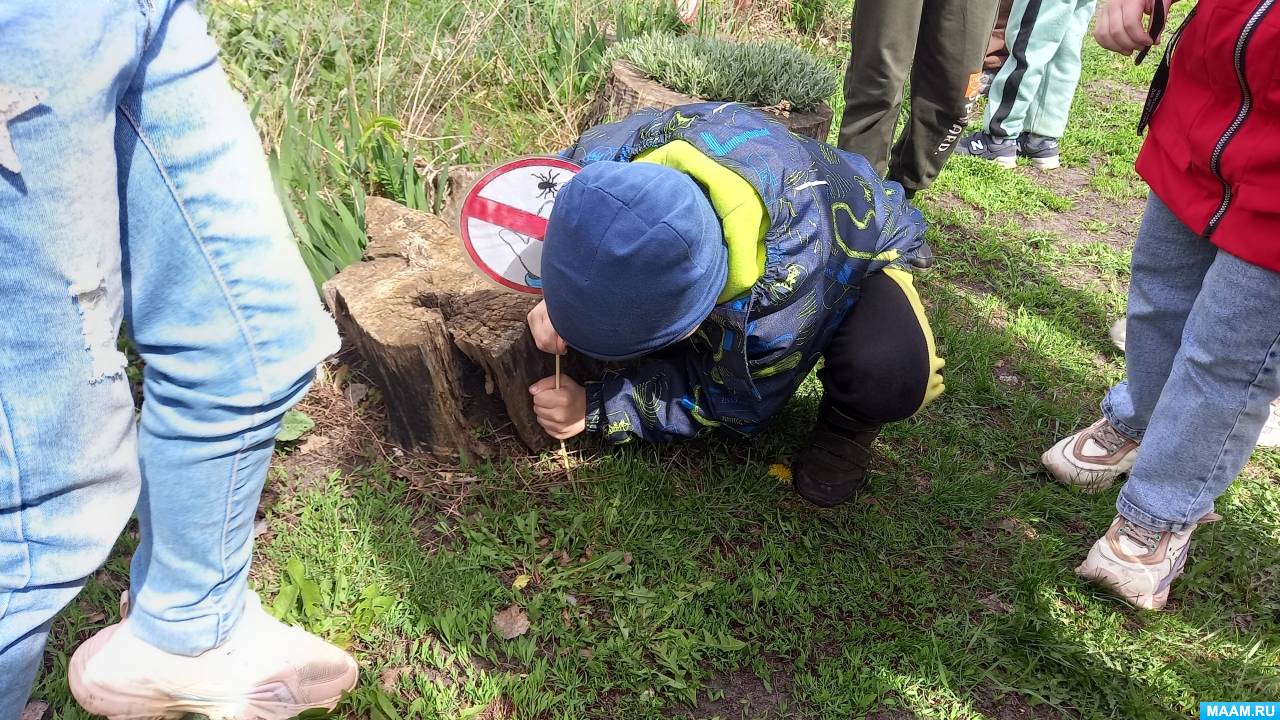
[[656, 401], [661, 400], [877, 226]]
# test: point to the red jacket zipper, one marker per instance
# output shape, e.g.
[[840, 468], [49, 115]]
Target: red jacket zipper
[[1246, 106]]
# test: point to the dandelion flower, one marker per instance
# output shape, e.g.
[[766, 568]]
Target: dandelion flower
[[781, 472]]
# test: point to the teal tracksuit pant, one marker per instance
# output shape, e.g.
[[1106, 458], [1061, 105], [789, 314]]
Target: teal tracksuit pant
[[1033, 91]]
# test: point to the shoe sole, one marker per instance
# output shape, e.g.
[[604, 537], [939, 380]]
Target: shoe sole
[[814, 495], [1108, 581], [110, 706], [1049, 163], [1089, 487], [1008, 163]]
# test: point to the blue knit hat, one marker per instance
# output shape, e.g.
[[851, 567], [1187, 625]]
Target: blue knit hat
[[634, 259]]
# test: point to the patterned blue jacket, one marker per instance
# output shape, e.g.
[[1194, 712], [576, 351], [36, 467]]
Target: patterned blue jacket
[[832, 222]]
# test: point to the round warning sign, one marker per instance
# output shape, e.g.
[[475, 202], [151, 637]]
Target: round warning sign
[[503, 220]]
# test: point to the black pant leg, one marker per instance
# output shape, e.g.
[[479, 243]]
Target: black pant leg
[[878, 365], [944, 82], [884, 43]]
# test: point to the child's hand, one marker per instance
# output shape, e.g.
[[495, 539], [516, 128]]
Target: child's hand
[[562, 413], [1120, 27], [544, 334]]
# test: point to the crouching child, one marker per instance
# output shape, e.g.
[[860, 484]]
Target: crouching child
[[717, 256]]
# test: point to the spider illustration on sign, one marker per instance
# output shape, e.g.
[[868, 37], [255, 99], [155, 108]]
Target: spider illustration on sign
[[548, 183], [503, 220]]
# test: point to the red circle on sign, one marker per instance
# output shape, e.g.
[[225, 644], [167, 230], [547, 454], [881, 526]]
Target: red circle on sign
[[495, 212]]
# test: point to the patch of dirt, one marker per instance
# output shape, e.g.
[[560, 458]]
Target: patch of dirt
[[1079, 528], [745, 696], [500, 709], [1007, 374], [351, 432], [1090, 210], [1064, 181], [950, 202], [350, 425], [1093, 217], [1015, 526], [1012, 706], [1114, 90], [995, 605]]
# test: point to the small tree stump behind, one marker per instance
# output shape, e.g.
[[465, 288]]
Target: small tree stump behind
[[450, 353], [448, 186], [627, 89]]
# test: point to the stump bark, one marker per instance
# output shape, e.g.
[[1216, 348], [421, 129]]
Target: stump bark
[[627, 89], [451, 354], [450, 185]]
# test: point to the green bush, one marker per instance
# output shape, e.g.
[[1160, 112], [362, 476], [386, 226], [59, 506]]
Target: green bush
[[756, 73]]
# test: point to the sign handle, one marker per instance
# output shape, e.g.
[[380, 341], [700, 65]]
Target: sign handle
[[564, 452]]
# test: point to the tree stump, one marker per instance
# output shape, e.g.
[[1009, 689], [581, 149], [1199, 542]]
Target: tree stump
[[451, 354], [449, 186], [627, 90]]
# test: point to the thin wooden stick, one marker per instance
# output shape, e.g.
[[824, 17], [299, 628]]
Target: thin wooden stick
[[564, 452]]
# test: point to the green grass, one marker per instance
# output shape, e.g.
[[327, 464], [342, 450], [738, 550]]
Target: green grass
[[685, 581]]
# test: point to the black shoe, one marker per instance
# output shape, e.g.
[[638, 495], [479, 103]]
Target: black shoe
[[1041, 149], [923, 259], [1000, 150], [834, 466]]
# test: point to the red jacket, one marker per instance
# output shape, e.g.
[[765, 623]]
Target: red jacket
[[1212, 153]]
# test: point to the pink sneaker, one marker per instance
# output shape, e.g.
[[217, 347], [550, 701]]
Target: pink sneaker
[[1270, 436], [266, 671], [1091, 459], [1138, 564]]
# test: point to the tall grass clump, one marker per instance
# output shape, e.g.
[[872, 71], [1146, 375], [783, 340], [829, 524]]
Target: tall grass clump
[[323, 176], [763, 74], [807, 16]]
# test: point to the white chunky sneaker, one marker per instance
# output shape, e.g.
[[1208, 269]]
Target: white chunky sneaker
[[1092, 459], [266, 671], [1119, 332], [1138, 564], [1270, 436]]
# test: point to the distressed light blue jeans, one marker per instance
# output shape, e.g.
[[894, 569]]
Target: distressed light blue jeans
[[1202, 351], [139, 193]]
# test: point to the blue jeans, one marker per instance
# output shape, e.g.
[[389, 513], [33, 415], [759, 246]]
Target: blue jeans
[[143, 196], [1202, 351]]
